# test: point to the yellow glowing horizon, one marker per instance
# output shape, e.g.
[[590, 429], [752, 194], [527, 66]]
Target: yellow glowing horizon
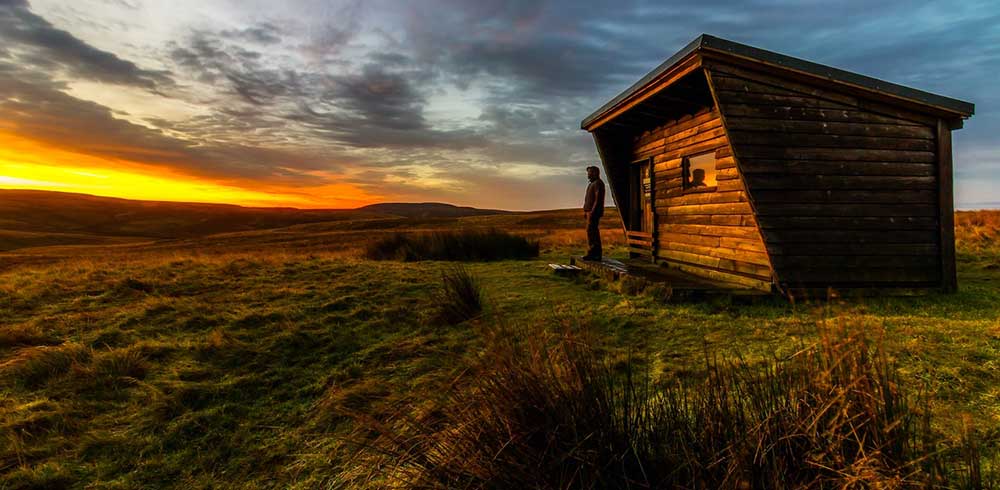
[[30, 165]]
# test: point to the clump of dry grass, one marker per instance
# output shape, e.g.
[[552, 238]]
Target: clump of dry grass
[[545, 410], [33, 366], [460, 297], [25, 335], [461, 245], [976, 231], [120, 365]]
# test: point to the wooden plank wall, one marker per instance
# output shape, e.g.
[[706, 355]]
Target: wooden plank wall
[[710, 234], [845, 189]]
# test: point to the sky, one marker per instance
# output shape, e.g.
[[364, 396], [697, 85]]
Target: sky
[[333, 104]]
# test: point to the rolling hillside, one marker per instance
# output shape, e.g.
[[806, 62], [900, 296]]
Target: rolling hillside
[[428, 210], [42, 218]]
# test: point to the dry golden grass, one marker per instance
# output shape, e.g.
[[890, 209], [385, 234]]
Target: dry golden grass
[[977, 230], [542, 407], [213, 362]]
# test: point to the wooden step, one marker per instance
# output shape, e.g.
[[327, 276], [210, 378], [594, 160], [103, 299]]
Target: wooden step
[[565, 270]]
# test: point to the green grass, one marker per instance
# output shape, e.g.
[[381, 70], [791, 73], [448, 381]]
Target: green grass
[[232, 370]]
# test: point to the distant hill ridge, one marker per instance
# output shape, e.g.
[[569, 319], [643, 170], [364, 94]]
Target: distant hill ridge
[[428, 210], [34, 218]]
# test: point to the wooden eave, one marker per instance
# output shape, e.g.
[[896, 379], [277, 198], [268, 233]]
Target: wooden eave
[[706, 49], [620, 105]]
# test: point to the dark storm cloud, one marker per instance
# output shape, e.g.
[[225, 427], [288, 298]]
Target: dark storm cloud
[[380, 103], [39, 42], [536, 50], [210, 59], [384, 99], [262, 33]]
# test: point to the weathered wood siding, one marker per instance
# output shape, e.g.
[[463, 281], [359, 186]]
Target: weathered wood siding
[[710, 234], [845, 190]]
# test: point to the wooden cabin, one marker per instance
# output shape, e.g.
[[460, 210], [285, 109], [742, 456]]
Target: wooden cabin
[[773, 173]]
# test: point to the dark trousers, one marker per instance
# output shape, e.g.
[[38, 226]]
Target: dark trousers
[[594, 236]]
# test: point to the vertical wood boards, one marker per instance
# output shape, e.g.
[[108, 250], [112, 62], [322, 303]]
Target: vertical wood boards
[[841, 188], [711, 234], [946, 200]]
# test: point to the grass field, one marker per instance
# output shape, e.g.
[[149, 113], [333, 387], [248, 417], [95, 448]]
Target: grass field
[[229, 361]]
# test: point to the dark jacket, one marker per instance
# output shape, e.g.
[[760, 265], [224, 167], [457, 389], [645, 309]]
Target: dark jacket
[[593, 203]]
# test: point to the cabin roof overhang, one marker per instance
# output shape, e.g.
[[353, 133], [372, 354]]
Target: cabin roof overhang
[[706, 47]]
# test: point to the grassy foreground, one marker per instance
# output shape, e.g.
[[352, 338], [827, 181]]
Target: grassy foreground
[[181, 369]]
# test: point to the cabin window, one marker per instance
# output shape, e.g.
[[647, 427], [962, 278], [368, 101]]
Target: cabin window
[[699, 172]]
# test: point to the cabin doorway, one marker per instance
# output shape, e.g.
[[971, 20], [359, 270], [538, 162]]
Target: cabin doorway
[[641, 192], [640, 221]]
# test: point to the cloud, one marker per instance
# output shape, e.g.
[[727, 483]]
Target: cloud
[[380, 107], [37, 41], [36, 107], [448, 99], [262, 33], [379, 103]]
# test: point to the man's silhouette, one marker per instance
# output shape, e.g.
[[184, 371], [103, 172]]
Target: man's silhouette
[[593, 209], [697, 178]]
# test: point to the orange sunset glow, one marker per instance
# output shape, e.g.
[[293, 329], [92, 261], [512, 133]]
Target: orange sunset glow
[[26, 164]]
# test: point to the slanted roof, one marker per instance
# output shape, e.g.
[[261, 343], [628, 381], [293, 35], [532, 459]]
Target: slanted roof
[[707, 43]]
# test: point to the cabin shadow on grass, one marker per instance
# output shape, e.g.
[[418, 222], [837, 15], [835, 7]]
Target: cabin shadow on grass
[[462, 245], [547, 410]]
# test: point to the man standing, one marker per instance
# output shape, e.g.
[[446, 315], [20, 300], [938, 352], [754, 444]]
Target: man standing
[[593, 209]]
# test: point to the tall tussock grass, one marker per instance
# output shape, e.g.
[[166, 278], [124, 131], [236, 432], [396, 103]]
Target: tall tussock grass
[[25, 335], [461, 245], [31, 367], [117, 366], [460, 297], [543, 410]]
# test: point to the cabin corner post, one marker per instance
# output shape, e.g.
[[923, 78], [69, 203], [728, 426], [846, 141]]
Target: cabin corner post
[[946, 206]]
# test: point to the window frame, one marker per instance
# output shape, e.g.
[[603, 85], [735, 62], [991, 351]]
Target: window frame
[[686, 173]]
